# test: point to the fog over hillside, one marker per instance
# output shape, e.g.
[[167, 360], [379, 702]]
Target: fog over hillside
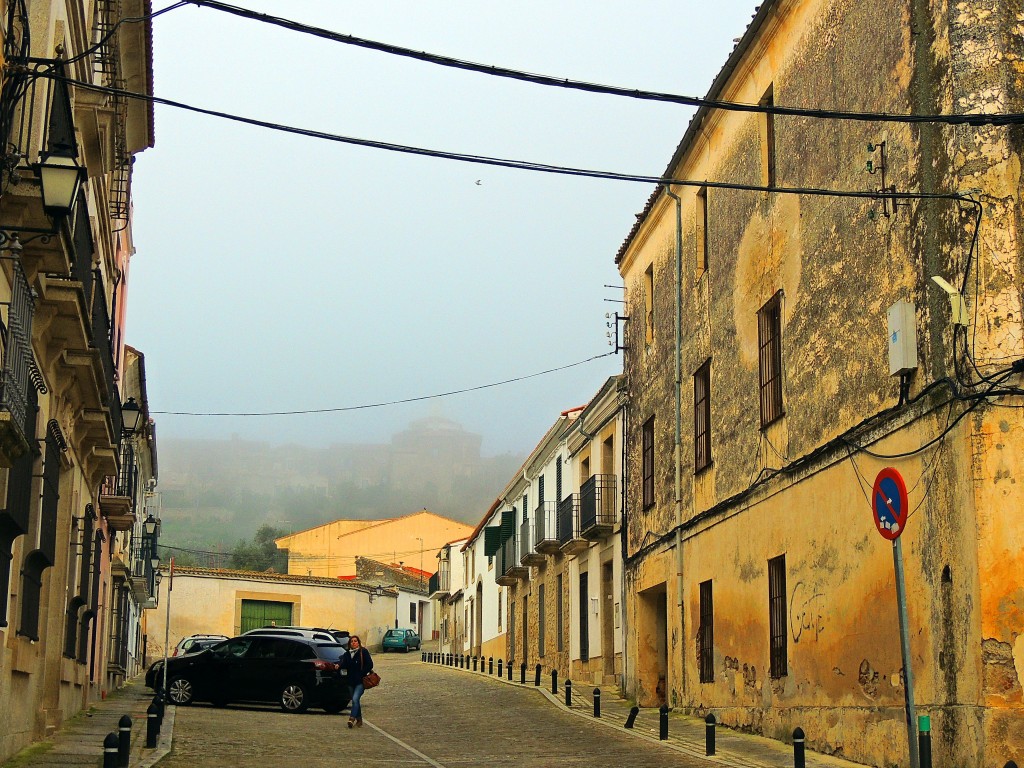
[[217, 492]]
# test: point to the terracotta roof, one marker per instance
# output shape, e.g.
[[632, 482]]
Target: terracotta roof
[[761, 13], [227, 573]]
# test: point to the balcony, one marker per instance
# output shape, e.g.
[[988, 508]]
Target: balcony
[[569, 539], [510, 570], [117, 494], [546, 528], [439, 584], [18, 372], [597, 507], [528, 555]]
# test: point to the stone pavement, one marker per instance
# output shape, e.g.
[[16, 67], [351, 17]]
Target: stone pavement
[[79, 741], [734, 749]]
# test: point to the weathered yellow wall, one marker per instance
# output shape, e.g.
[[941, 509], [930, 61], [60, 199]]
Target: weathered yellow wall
[[793, 488], [330, 550], [211, 603]]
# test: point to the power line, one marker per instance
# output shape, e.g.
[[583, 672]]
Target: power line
[[579, 85], [389, 402], [525, 165]]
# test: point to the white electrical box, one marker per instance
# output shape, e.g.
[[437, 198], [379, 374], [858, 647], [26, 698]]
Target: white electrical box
[[902, 337]]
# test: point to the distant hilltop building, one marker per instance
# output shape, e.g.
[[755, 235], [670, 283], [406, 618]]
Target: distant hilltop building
[[331, 549]]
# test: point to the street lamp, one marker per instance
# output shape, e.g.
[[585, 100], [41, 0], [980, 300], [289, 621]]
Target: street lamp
[[60, 177], [131, 416], [149, 525]]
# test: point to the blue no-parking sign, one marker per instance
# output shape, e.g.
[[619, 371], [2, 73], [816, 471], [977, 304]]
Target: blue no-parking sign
[[889, 503]]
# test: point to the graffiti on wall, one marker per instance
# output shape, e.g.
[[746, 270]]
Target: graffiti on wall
[[805, 612]]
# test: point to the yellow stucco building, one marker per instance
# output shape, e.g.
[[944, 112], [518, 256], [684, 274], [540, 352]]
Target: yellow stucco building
[[331, 550], [787, 341]]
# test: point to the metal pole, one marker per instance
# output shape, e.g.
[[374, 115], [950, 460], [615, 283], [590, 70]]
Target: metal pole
[[908, 673], [167, 628]]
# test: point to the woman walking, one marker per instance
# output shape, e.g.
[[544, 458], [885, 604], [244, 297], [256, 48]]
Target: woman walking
[[358, 663]]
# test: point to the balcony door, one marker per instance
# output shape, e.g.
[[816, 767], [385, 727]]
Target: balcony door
[[584, 618]]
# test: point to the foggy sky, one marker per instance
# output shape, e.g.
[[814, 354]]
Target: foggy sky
[[276, 272]]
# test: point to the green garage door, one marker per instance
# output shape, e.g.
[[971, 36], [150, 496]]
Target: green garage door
[[263, 613]]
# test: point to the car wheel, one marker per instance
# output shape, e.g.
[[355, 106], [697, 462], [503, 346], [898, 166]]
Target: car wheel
[[180, 691], [294, 698], [405, 649]]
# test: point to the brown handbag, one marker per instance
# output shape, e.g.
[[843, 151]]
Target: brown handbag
[[371, 680]]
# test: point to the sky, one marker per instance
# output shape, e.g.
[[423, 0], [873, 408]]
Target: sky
[[274, 272]]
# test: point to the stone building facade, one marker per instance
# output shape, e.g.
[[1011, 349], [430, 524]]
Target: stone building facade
[[74, 575], [763, 402]]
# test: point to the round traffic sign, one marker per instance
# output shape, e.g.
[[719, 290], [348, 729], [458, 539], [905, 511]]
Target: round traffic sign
[[889, 503]]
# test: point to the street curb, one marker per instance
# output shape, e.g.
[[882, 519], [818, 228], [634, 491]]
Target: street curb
[[147, 757]]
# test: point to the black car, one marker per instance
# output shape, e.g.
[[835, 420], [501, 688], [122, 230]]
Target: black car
[[294, 672]]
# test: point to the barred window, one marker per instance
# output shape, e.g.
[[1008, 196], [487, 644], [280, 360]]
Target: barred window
[[702, 417], [648, 463], [778, 663], [769, 339], [701, 221], [540, 621]]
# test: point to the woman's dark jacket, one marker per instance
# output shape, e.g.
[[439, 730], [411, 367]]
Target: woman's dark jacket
[[357, 665]]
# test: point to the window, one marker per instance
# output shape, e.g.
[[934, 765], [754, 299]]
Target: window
[[540, 621], [558, 479], [706, 634], [769, 341], [558, 613], [412, 613], [701, 228], [648, 463], [777, 616], [526, 501], [649, 304], [702, 417], [501, 602], [540, 491], [767, 130]]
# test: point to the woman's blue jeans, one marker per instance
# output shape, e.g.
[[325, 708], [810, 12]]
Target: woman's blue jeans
[[357, 711]]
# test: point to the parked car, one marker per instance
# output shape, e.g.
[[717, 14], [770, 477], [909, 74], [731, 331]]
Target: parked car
[[310, 633], [400, 640], [194, 643], [293, 671]]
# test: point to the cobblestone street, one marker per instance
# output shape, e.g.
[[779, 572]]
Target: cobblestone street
[[420, 715]]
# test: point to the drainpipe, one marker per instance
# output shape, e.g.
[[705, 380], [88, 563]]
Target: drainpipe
[[676, 351]]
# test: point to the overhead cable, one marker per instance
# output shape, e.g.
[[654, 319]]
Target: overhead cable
[[632, 93]]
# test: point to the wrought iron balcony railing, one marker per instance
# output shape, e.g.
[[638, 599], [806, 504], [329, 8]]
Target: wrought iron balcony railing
[[569, 525], [597, 506], [18, 372], [528, 554], [546, 527], [439, 585]]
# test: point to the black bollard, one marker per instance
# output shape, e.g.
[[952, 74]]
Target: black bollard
[[554, 681], [124, 740], [490, 665], [536, 678], [423, 655], [522, 674], [500, 673], [152, 726], [474, 663], [568, 693], [924, 740], [633, 712], [597, 702], [799, 761], [110, 750], [508, 669], [1010, 764], [663, 722], [709, 735], [160, 707]]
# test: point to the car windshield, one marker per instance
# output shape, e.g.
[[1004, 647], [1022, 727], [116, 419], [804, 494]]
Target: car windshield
[[330, 651], [395, 633]]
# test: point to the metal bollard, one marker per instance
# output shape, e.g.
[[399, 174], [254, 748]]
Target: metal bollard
[[423, 655], [924, 740], [597, 702], [161, 706], [490, 665], [536, 677], [709, 735], [110, 750], [124, 740], [663, 722], [633, 712], [568, 693], [508, 669], [500, 673], [799, 761], [522, 674], [1010, 764], [554, 681], [474, 663], [152, 726]]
